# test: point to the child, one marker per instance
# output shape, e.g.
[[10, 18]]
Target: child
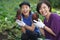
[[29, 31]]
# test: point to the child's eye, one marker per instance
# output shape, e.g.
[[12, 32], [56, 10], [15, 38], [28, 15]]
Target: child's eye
[[44, 7], [26, 7]]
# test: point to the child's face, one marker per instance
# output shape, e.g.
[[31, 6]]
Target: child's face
[[25, 9], [44, 9]]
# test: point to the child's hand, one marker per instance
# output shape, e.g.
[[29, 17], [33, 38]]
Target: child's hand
[[21, 23]]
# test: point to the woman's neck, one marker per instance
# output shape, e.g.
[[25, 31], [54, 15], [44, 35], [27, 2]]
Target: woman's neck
[[48, 16]]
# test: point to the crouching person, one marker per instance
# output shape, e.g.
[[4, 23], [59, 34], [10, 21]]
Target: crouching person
[[29, 31]]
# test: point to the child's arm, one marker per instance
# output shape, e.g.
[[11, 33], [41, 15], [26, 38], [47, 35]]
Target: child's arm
[[42, 31], [22, 24], [23, 29], [31, 28]]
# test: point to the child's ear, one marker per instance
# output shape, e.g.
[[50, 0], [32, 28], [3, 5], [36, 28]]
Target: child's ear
[[30, 9]]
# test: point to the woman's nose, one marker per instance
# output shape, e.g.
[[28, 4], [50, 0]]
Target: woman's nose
[[43, 10]]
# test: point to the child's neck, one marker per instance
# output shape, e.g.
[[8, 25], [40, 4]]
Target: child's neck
[[26, 15]]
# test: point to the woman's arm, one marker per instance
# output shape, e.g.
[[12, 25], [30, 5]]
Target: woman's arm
[[40, 24], [49, 30]]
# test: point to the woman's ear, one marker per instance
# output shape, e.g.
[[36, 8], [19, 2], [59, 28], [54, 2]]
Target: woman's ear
[[49, 8]]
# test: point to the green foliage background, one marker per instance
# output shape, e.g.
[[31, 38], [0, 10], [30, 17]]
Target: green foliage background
[[8, 10]]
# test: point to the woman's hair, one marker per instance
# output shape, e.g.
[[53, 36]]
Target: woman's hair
[[40, 3]]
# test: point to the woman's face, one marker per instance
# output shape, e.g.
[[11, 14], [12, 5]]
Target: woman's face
[[25, 9], [44, 9]]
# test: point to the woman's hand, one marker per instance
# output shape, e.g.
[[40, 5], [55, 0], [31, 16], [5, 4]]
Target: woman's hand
[[39, 23]]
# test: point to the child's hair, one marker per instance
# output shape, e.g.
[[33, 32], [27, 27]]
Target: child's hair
[[40, 3], [24, 3], [18, 14], [35, 16]]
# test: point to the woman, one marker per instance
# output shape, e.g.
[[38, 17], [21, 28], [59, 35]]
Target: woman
[[51, 20]]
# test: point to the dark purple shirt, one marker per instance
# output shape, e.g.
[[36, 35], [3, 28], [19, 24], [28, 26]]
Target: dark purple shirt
[[54, 24]]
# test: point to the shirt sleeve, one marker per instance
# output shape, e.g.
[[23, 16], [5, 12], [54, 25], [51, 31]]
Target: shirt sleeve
[[55, 25]]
